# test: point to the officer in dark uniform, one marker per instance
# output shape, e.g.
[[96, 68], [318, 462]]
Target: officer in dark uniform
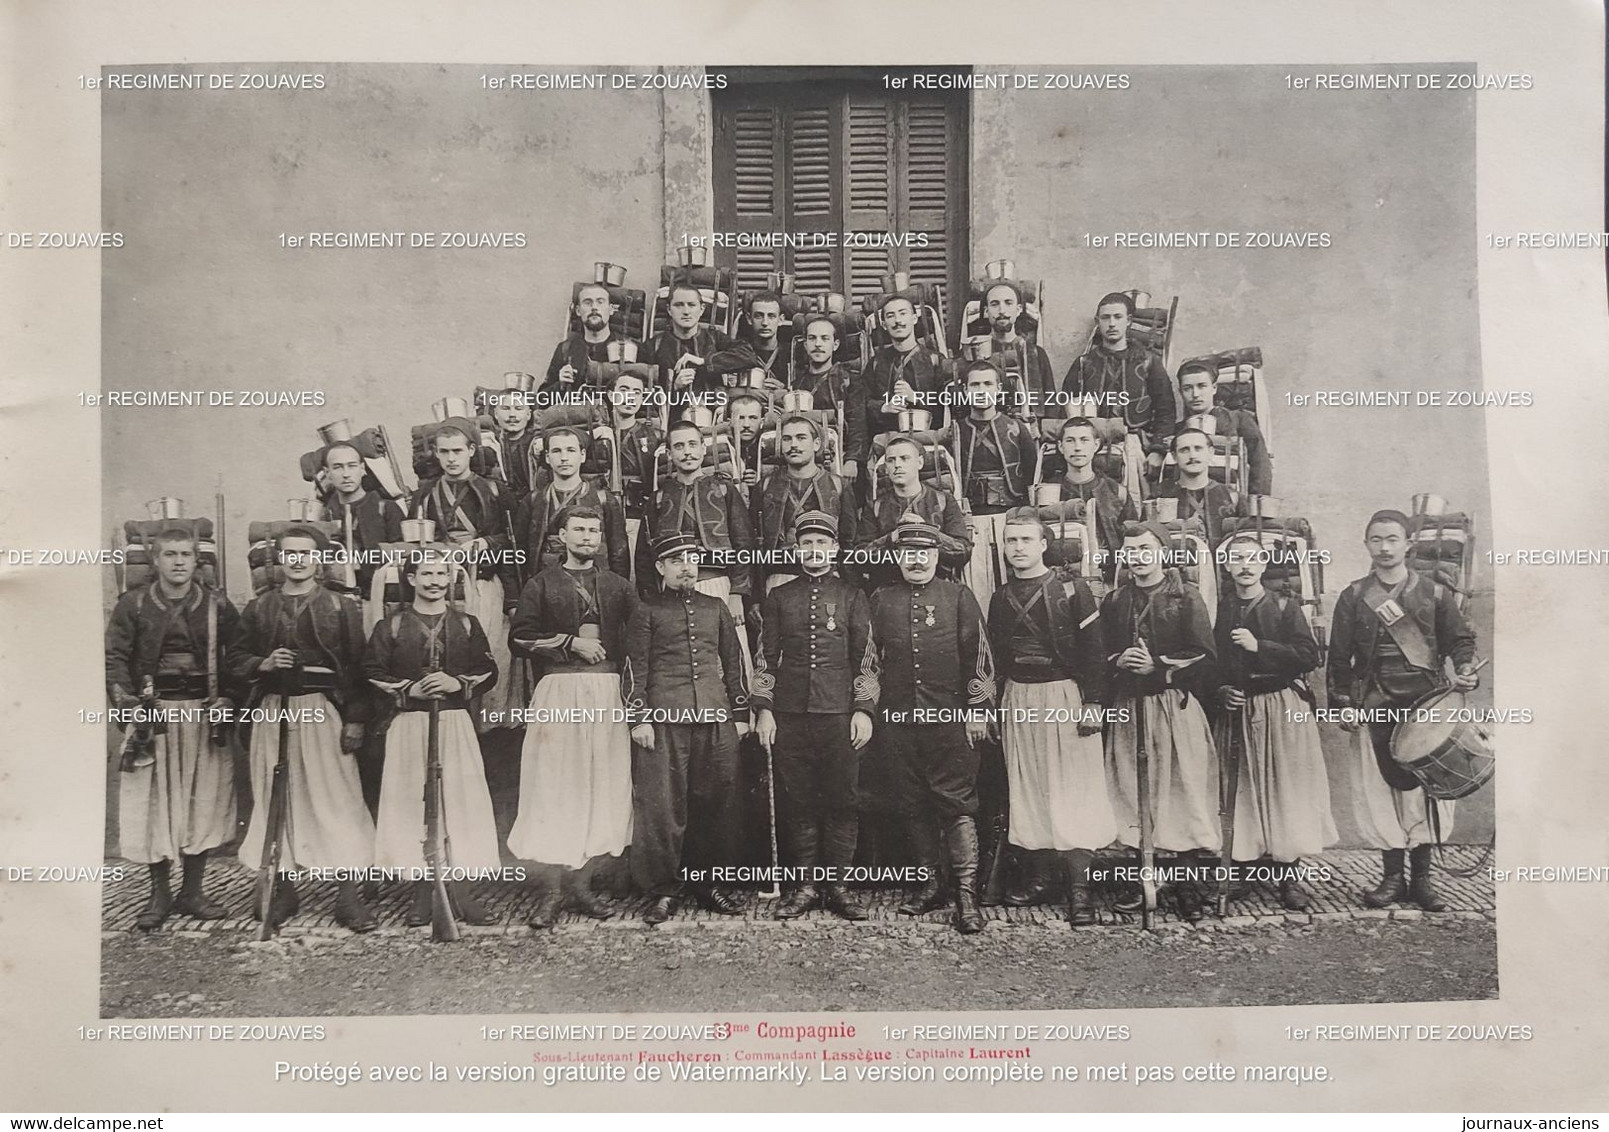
[[934, 648], [683, 663], [816, 685]]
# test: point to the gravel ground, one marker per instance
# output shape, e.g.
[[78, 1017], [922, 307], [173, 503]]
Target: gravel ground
[[815, 965]]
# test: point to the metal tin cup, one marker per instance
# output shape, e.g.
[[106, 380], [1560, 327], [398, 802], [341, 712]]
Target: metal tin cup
[[299, 510], [915, 420], [1427, 504], [336, 431], [621, 351], [1265, 506], [701, 415], [167, 507], [1000, 269], [1047, 494], [1206, 422], [977, 348], [450, 407], [609, 274], [1141, 298], [418, 531], [798, 401], [692, 257], [1164, 510]]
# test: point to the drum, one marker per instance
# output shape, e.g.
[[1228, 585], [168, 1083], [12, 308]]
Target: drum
[[1450, 759], [915, 420]]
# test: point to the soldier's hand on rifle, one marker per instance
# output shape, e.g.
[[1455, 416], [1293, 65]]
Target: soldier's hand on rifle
[[1244, 638], [1231, 697], [1137, 659], [765, 728], [904, 391], [279, 658], [1467, 678], [685, 365], [643, 735], [860, 730], [751, 476], [567, 372], [742, 727], [1153, 460], [434, 686], [1088, 727], [351, 738], [589, 650]]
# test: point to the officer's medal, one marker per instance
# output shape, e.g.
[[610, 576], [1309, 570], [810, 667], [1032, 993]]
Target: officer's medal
[[832, 609], [929, 622]]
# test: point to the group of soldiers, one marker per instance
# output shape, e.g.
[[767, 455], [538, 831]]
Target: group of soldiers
[[638, 625]]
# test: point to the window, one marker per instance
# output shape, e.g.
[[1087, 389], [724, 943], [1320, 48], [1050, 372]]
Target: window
[[822, 152]]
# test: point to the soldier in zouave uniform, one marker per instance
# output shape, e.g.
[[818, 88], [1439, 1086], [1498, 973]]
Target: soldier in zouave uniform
[[800, 485], [473, 514], [935, 656], [765, 317], [1047, 641], [1197, 390], [637, 438], [371, 517], [1160, 647], [745, 415], [1079, 441], [903, 375], [825, 380], [815, 687], [1027, 361], [535, 519], [903, 460], [513, 409], [682, 350], [178, 806], [1200, 497], [568, 369], [709, 506], [575, 776], [300, 648], [687, 698], [1265, 650], [398, 664], [1128, 382], [1392, 634]]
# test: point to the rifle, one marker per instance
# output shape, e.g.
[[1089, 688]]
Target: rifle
[[1228, 793], [1142, 770], [139, 741], [268, 867], [775, 891], [995, 880], [437, 846]]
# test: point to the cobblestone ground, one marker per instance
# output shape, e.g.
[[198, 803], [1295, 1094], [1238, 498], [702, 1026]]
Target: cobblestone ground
[[1028, 958]]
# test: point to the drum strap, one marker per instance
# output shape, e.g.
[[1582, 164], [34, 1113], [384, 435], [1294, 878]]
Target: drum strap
[[1433, 815], [1404, 630]]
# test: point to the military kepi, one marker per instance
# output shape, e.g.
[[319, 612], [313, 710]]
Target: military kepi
[[676, 544], [815, 522]]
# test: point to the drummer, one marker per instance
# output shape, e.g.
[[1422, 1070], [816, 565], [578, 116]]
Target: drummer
[[1391, 636]]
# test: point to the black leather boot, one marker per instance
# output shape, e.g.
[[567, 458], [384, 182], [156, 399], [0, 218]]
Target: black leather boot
[[578, 890], [191, 900], [961, 839], [418, 914], [1392, 888], [350, 910], [467, 907], [1038, 881], [1080, 905], [1290, 892], [161, 903], [1420, 889], [924, 844], [838, 837], [801, 848], [285, 904], [797, 902]]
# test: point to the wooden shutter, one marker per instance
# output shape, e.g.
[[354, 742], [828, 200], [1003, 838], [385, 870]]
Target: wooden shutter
[[845, 157]]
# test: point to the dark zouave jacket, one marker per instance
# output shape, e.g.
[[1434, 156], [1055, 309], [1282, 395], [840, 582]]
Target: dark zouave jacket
[[775, 361], [150, 636], [1286, 651], [774, 507], [933, 646], [482, 509], [935, 507], [1029, 376], [682, 653], [1173, 620], [1050, 631], [399, 652], [834, 386], [711, 507], [1218, 501], [1012, 448], [1136, 371], [666, 350], [926, 371], [327, 632], [1259, 463], [537, 533], [517, 460], [375, 520], [816, 653], [576, 351], [637, 448], [1373, 664], [552, 610], [1113, 508]]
